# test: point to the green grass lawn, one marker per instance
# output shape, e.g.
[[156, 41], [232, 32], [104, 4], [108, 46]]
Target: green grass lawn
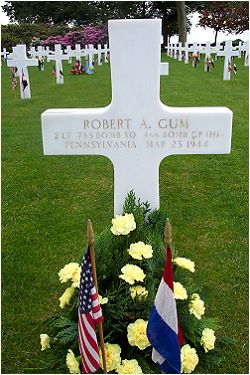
[[46, 201]]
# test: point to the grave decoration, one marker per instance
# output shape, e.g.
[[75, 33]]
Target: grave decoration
[[228, 53], [57, 57], [21, 62], [130, 256], [136, 131]]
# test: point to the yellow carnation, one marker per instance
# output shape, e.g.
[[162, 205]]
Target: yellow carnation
[[189, 359], [138, 291], [137, 334], [179, 291], [66, 297], [140, 250], [102, 300], [112, 355], [132, 273], [207, 339], [196, 306], [129, 367], [69, 272], [185, 263], [76, 277], [72, 363], [123, 224], [45, 341]]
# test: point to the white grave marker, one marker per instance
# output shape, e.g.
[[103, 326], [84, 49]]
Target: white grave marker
[[207, 51], [245, 48], [91, 51], [99, 54], [228, 52], [106, 50], [58, 56], [48, 53], [164, 69], [78, 53], [4, 54], [21, 62], [136, 131], [186, 52], [70, 54]]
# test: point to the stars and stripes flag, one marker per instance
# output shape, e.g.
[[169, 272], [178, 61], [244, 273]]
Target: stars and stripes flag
[[13, 82], [24, 81], [89, 314], [163, 329]]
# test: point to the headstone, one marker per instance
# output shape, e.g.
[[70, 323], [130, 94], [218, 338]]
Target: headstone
[[164, 69], [207, 51], [32, 52], [245, 48], [180, 49], [216, 49], [41, 53], [91, 52], [78, 52], [228, 52], [21, 62], [186, 53], [70, 54], [58, 56], [48, 53], [106, 51], [4, 54], [176, 48], [136, 131], [99, 54]]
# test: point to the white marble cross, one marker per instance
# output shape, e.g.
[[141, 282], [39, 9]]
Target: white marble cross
[[106, 50], [245, 48], [99, 54], [228, 52], [91, 52], [70, 53], [48, 53], [136, 131], [216, 49], [21, 62], [207, 51], [58, 56], [186, 51], [78, 53], [4, 53]]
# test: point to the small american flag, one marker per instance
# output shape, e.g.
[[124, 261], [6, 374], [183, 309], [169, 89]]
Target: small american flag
[[89, 314], [24, 81]]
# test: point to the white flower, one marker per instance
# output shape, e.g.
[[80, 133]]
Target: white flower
[[72, 363], [123, 224], [45, 341]]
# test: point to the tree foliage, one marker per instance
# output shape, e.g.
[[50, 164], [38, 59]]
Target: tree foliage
[[229, 16], [92, 13]]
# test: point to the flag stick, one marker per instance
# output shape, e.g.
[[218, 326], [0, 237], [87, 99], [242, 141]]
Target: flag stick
[[90, 234], [167, 233]]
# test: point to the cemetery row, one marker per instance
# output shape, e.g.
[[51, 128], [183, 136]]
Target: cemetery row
[[183, 53], [19, 61]]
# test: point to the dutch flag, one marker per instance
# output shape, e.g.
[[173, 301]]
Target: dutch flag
[[163, 329]]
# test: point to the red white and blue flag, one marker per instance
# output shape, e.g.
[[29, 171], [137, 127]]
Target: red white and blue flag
[[89, 314], [163, 329]]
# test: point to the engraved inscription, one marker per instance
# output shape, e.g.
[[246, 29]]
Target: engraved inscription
[[121, 133]]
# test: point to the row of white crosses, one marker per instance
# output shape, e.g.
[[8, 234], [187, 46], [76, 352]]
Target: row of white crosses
[[18, 59], [58, 56], [228, 52], [145, 129]]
